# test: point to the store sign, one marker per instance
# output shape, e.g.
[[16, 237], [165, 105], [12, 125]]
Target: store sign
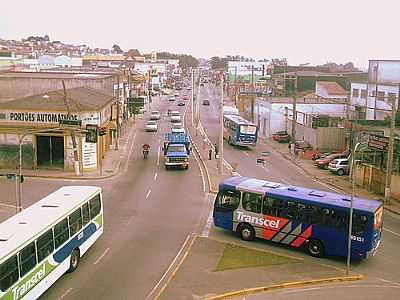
[[36, 117], [378, 142], [89, 155]]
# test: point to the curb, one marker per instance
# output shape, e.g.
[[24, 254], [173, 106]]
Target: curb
[[285, 285]]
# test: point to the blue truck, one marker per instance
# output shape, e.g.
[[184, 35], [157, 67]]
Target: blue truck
[[176, 150]]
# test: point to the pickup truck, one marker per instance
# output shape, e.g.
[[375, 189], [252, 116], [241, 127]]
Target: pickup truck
[[176, 150]]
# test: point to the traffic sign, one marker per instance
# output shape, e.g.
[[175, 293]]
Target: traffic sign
[[91, 133], [67, 122]]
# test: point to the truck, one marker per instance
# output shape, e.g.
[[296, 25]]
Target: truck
[[176, 150]]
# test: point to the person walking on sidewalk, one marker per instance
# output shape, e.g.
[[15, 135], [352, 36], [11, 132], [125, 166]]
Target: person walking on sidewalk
[[216, 150]]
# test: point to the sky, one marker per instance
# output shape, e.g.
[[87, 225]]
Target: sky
[[303, 31]]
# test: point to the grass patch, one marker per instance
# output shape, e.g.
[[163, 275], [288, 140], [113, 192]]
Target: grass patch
[[236, 257]]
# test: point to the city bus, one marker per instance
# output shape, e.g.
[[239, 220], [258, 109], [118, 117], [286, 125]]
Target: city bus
[[238, 131], [42, 242], [314, 220]]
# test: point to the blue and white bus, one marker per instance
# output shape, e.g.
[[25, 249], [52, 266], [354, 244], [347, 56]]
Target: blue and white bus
[[47, 239], [238, 131], [299, 217]]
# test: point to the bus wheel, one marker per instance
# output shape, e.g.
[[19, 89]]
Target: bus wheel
[[74, 261], [315, 248], [246, 232]]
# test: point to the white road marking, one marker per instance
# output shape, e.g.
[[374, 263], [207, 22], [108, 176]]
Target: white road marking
[[155, 176], [148, 194], [7, 205], [392, 232], [390, 282], [101, 256], [201, 173], [207, 226], [129, 221], [245, 153], [65, 294], [169, 268], [285, 181]]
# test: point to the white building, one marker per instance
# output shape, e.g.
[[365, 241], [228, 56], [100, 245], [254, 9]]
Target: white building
[[329, 90]]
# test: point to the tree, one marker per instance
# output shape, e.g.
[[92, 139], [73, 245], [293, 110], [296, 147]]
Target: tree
[[218, 63], [117, 49]]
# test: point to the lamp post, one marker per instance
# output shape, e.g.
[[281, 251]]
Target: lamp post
[[353, 187]]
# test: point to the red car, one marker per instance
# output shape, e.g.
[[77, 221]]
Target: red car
[[323, 163]]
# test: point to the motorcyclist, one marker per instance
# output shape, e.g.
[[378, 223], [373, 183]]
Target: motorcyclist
[[146, 149]]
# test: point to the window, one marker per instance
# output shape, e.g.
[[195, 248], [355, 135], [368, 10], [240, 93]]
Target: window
[[95, 206], [8, 273], [27, 258], [228, 200], [364, 94], [85, 213], [359, 223], [270, 207], [356, 93], [75, 221], [381, 95], [61, 232], [45, 245], [252, 202], [392, 96]]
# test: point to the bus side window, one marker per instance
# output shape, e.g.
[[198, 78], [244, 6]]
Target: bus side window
[[342, 220], [45, 245], [282, 208], [85, 213], [61, 232], [27, 258], [292, 210], [8, 273], [75, 221], [95, 206], [359, 224], [228, 200], [252, 202], [269, 208]]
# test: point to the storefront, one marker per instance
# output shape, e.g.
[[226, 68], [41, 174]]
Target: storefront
[[35, 123]]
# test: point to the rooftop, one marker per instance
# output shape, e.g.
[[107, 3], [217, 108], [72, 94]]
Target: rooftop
[[332, 88], [54, 75], [80, 99]]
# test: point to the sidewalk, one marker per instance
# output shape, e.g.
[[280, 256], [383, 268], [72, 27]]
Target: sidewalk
[[341, 183], [111, 163]]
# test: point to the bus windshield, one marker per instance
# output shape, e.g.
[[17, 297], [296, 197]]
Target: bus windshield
[[176, 148], [248, 129]]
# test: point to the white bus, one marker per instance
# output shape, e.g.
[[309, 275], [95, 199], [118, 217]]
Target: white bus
[[47, 239]]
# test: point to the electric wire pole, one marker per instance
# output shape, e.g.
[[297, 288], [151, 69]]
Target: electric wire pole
[[221, 133], [389, 166], [73, 138], [294, 119]]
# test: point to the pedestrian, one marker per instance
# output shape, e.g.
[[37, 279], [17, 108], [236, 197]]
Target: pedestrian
[[289, 147], [210, 154], [216, 150]]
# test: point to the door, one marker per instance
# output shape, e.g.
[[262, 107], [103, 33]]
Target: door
[[50, 151]]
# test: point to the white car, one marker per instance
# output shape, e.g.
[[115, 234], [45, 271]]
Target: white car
[[178, 130], [175, 117], [151, 126], [155, 115], [171, 99]]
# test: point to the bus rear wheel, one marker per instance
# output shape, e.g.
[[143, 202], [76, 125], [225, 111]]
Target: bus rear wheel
[[315, 248], [74, 260], [246, 232]]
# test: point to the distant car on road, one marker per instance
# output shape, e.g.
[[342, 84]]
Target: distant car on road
[[151, 125], [185, 97], [155, 115], [281, 137], [175, 117], [181, 103], [171, 99], [206, 102]]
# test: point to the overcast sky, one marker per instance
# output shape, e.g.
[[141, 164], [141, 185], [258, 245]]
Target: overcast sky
[[303, 31]]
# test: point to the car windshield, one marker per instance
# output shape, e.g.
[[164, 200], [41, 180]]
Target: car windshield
[[176, 148], [175, 114], [151, 122], [155, 112], [248, 129]]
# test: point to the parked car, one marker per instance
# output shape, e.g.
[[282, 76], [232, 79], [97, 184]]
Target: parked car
[[175, 117], [155, 115], [181, 103], [323, 163], [171, 99], [323, 155], [339, 166], [206, 102], [281, 137], [151, 125], [302, 146]]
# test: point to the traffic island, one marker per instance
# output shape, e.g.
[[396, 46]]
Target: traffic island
[[214, 269]]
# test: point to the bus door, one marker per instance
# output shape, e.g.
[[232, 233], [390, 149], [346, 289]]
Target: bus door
[[225, 203]]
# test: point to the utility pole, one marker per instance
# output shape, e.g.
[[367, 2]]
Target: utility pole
[[221, 133], [73, 138], [235, 86], [192, 100], [117, 96], [294, 109], [389, 166]]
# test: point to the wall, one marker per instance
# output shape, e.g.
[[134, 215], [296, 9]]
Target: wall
[[9, 151]]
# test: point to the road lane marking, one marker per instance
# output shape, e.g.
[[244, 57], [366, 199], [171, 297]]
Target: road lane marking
[[129, 221], [392, 232], [207, 226], [169, 268], [65, 294], [285, 181], [155, 176], [101, 256], [148, 194]]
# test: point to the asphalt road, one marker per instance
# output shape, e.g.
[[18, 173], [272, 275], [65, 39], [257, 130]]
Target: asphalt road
[[149, 214], [385, 266]]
